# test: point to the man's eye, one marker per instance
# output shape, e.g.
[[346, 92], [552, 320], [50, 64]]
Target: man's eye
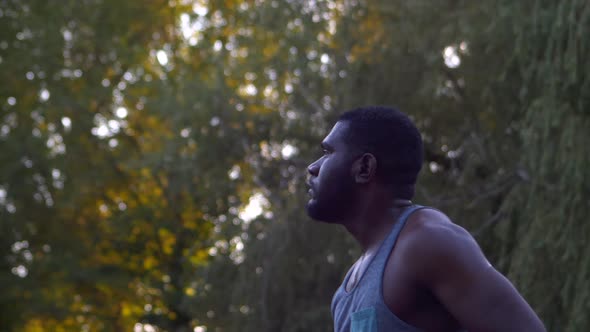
[[326, 151]]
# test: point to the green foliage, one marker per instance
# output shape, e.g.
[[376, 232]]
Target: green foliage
[[134, 135], [550, 258]]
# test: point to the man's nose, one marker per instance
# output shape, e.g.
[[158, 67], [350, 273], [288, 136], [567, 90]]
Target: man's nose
[[314, 168]]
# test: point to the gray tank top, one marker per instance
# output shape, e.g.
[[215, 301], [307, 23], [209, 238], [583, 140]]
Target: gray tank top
[[363, 309]]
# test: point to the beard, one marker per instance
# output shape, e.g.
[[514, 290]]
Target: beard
[[333, 203]]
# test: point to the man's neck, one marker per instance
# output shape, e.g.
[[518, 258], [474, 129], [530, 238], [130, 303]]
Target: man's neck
[[373, 223]]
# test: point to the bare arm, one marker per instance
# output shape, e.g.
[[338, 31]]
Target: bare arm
[[451, 265]]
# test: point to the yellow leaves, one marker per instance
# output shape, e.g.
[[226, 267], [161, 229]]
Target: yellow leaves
[[149, 191], [109, 256], [149, 262], [34, 325], [153, 131], [190, 291], [129, 309], [190, 216], [110, 72], [200, 257], [145, 172], [163, 128], [259, 109], [125, 310], [167, 239], [232, 83], [152, 122], [157, 192], [136, 230], [249, 124], [163, 233], [190, 223], [370, 35], [270, 50]]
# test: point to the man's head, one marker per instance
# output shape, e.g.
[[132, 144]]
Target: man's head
[[369, 147]]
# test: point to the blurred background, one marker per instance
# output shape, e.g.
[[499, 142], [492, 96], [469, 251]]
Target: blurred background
[[153, 153]]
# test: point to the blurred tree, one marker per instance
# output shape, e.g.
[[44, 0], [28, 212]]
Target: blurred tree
[[546, 248], [153, 153]]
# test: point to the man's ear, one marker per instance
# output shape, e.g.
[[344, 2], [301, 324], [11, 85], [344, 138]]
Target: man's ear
[[365, 168]]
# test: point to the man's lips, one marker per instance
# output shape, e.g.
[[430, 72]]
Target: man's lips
[[311, 190]]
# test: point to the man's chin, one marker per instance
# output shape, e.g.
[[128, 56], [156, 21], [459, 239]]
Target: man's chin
[[310, 208], [315, 212]]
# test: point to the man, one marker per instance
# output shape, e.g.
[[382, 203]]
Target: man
[[419, 271]]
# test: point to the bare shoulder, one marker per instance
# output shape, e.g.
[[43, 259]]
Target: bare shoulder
[[431, 241], [429, 228], [445, 259]]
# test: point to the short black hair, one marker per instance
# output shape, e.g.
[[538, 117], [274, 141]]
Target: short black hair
[[393, 139]]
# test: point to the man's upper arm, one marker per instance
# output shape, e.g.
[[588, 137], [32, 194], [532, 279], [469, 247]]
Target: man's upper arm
[[451, 265]]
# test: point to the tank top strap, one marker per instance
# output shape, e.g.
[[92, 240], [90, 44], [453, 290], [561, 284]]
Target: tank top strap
[[391, 239]]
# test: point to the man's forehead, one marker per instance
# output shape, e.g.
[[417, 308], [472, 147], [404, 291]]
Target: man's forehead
[[336, 135]]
